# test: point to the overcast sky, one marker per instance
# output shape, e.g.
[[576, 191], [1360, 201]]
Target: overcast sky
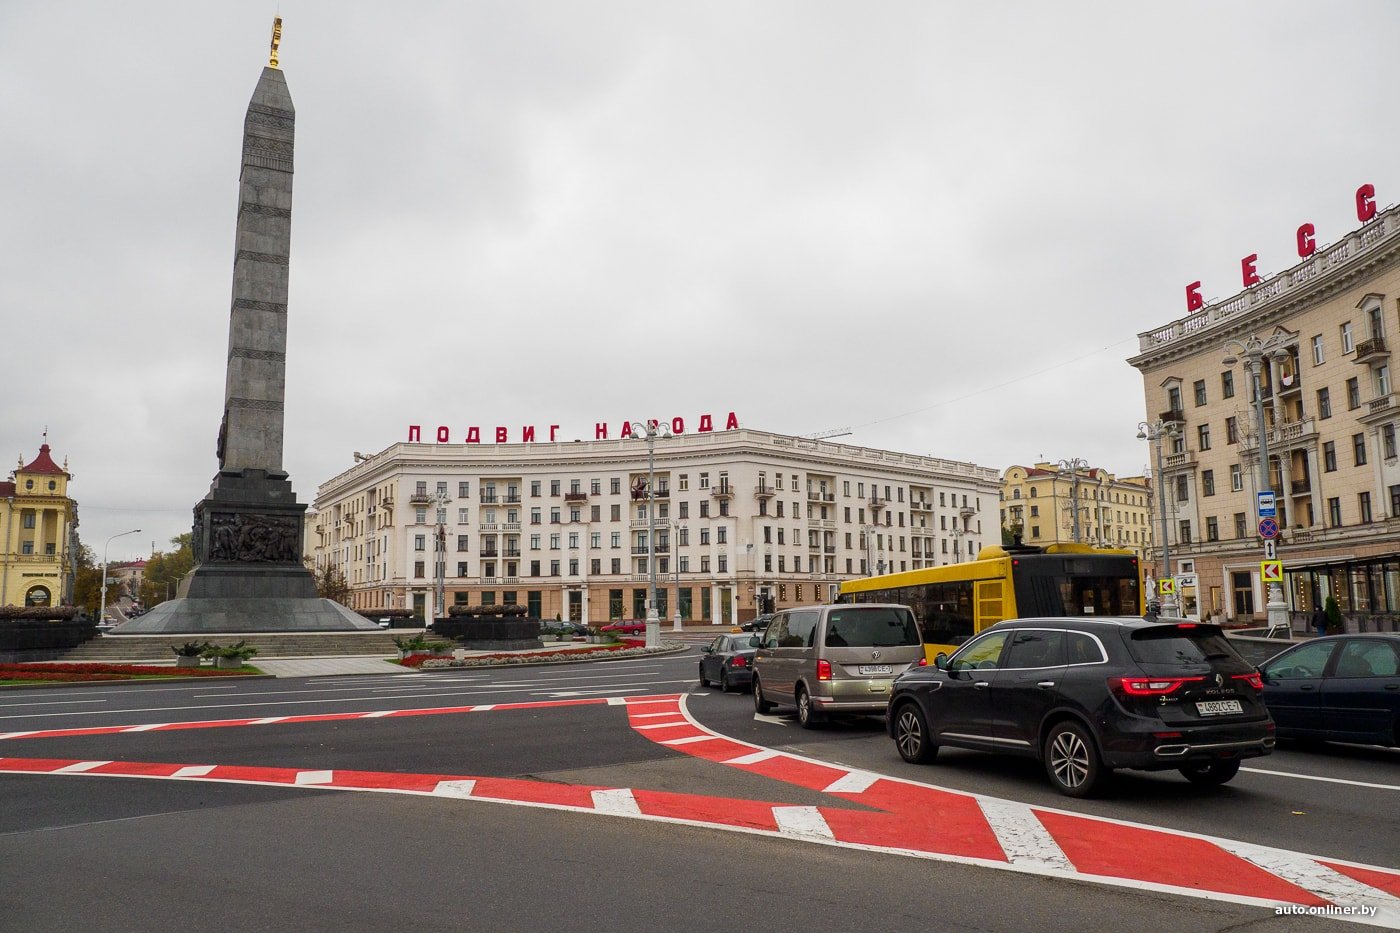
[[941, 225]]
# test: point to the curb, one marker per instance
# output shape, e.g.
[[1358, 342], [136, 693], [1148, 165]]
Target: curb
[[121, 683], [664, 651]]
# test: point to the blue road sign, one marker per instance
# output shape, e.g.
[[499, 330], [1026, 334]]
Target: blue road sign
[[1266, 504], [1268, 528]]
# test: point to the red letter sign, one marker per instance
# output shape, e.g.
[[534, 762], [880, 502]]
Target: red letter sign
[[1365, 202], [1247, 267], [1307, 245], [1194, 301]]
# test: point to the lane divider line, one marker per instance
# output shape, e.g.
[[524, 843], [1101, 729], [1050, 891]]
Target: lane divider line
[[1326, 882], [315, 777], [1315, 777], [853, 782], [80, 767], [803, 822], [753, 757], [617, 801], [193, 771], [1023, 838], [462, 789]]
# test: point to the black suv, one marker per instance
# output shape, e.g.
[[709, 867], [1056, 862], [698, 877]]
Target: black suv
[[1086, 696]]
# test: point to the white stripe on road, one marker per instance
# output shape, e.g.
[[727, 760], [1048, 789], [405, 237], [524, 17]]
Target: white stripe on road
[[14, 735], [483, 707], [1314, 777], [267, 721], [1325, 882], [1022, 836], [454, 788], [147, 727], [650, 715], [315, 777], [377, 713], [618, 801], [664, 725], [852, 782], [686, 740], [80, 766], [754, 758], [804, 822], [193, 771]]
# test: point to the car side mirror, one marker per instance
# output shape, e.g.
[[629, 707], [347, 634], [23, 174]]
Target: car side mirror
[[708, 650], [755, 641], [1264, 675], [940, 661]]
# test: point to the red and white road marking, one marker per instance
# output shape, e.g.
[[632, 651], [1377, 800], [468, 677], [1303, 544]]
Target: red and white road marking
[[901, 817]]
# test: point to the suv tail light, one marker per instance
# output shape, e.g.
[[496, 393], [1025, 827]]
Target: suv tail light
[[1148, 686], [823, 669], [1252, 678]]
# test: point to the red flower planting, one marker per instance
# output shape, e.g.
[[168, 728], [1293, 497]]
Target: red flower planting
[[95, 671]]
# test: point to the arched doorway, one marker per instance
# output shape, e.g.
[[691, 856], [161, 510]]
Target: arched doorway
[[38, 596]]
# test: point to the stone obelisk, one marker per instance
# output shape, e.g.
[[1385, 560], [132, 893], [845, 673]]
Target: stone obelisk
[[248, 574]]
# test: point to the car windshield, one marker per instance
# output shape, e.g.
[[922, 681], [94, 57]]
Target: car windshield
[[871, 626], [1171, 644]]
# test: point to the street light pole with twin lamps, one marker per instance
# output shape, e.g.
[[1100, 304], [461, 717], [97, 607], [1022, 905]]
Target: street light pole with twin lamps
[[102, 598], [1254, 352], [651, 430], [1154, 432], [1074, 466]]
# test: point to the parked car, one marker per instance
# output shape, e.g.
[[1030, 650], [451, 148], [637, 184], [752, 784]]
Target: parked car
[[759, 624], [728, 661], [554, 627], [625, 627], [1087, 696], [1345, 688], [834, 659]]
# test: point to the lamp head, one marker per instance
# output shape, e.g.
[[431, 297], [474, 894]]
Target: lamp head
[[1142, 435], [1230, 360]]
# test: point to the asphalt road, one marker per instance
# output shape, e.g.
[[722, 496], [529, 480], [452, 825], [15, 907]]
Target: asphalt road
[[161, 854]]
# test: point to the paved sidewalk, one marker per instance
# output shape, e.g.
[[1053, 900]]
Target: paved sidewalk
[[319, 667]]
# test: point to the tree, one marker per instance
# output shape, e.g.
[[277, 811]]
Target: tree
[[330, 582], [165, 571], [87, 581]]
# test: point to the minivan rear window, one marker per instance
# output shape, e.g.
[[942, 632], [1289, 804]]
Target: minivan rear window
[[871, 627], [1171, 644]]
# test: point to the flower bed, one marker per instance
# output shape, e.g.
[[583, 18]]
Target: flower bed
[[95, 671], [623, 649]]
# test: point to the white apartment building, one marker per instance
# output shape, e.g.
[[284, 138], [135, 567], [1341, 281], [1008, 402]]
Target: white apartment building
[[742, 518]]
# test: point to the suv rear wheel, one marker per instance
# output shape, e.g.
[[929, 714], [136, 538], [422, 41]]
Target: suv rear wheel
[[760, 705], [1212, 772], [1072, 761], [911, 735]]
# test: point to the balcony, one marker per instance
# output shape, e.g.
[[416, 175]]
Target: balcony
[[829, 549], [1181, 460], [1292, 432], [722, 491], [813, 496], [421, 498], [921, 506], [661, 548], [763, 492], [512, 552], [1175, 414], [489, 498], [967, 511], [877, 503], [512, 499], [1300, 486], [511, 526], [573, 497], [1371, 351], [489, 526]]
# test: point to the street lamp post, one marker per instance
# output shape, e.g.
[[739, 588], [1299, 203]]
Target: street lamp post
[[1154, 432], [440, 565], [1254, 352], [102, 590], [676, 560], [1074, 466], [651, 430]]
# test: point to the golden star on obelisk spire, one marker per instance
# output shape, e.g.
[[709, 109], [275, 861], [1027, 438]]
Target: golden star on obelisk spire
[[276, 41]]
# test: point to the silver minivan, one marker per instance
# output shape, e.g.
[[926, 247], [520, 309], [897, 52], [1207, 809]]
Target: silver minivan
[[834, 659]]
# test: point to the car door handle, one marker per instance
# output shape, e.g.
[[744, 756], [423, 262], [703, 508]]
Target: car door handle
[[1046, 683], [1392, 686], [982, 683], [1306, 687]]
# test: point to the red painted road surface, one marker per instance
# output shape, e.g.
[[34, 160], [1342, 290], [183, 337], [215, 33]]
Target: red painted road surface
[[903, 817]]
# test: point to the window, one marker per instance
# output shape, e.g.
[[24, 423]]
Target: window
[[1395, 501], [1184, 530], [722, 564], [1182, 493], [615, 512], [1174, 398], [1358, 448], [1236, 478], [554, 490], [534, 542], [462, 542], [554, 542], [1232, 430], [1348, 341], [615, 485], [1377, 323], [721, 535], [1203, 435], [683, 482], [420, 542], [535, 489], [1207, 482], [1363, 502], [1212, 529], [554, 568], [705, 508], [1227, 384], [1241, 525], [704, 481], [616, 540], [1334, 512], [1354, 393], [420, 516], [1329, 457], [1324, 403], [617, 565], [1319, 357], [595, 540], [1388, 441], [554, 515], [418, 568], [1199, 387]]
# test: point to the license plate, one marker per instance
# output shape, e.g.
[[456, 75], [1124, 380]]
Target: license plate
[[1218, 707], [875, 669]]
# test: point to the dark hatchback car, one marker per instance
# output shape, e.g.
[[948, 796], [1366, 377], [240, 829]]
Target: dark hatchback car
[[1345, 688], [728, 662], [1087, 696]]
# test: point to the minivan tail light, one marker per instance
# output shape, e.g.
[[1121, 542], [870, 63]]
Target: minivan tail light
[[823, 670], [1148, 686], [1252, 678]]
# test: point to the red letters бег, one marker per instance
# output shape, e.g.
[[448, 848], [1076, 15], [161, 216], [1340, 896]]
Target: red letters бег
[[553, 431], [473, 436], [677, 425], [600, 431], [501, 435], [415, 433], [1194, 301], [527, 434], [1365, 202], [731, 422], [1251, 277], [1307, 244], [444, 434], [707, 424]]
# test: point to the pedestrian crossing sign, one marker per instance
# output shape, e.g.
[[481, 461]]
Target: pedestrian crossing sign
[[1271, 571], [1166, 586]]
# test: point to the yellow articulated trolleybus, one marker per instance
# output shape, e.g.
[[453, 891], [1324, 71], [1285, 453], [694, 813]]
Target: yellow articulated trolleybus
[[955, 602]]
